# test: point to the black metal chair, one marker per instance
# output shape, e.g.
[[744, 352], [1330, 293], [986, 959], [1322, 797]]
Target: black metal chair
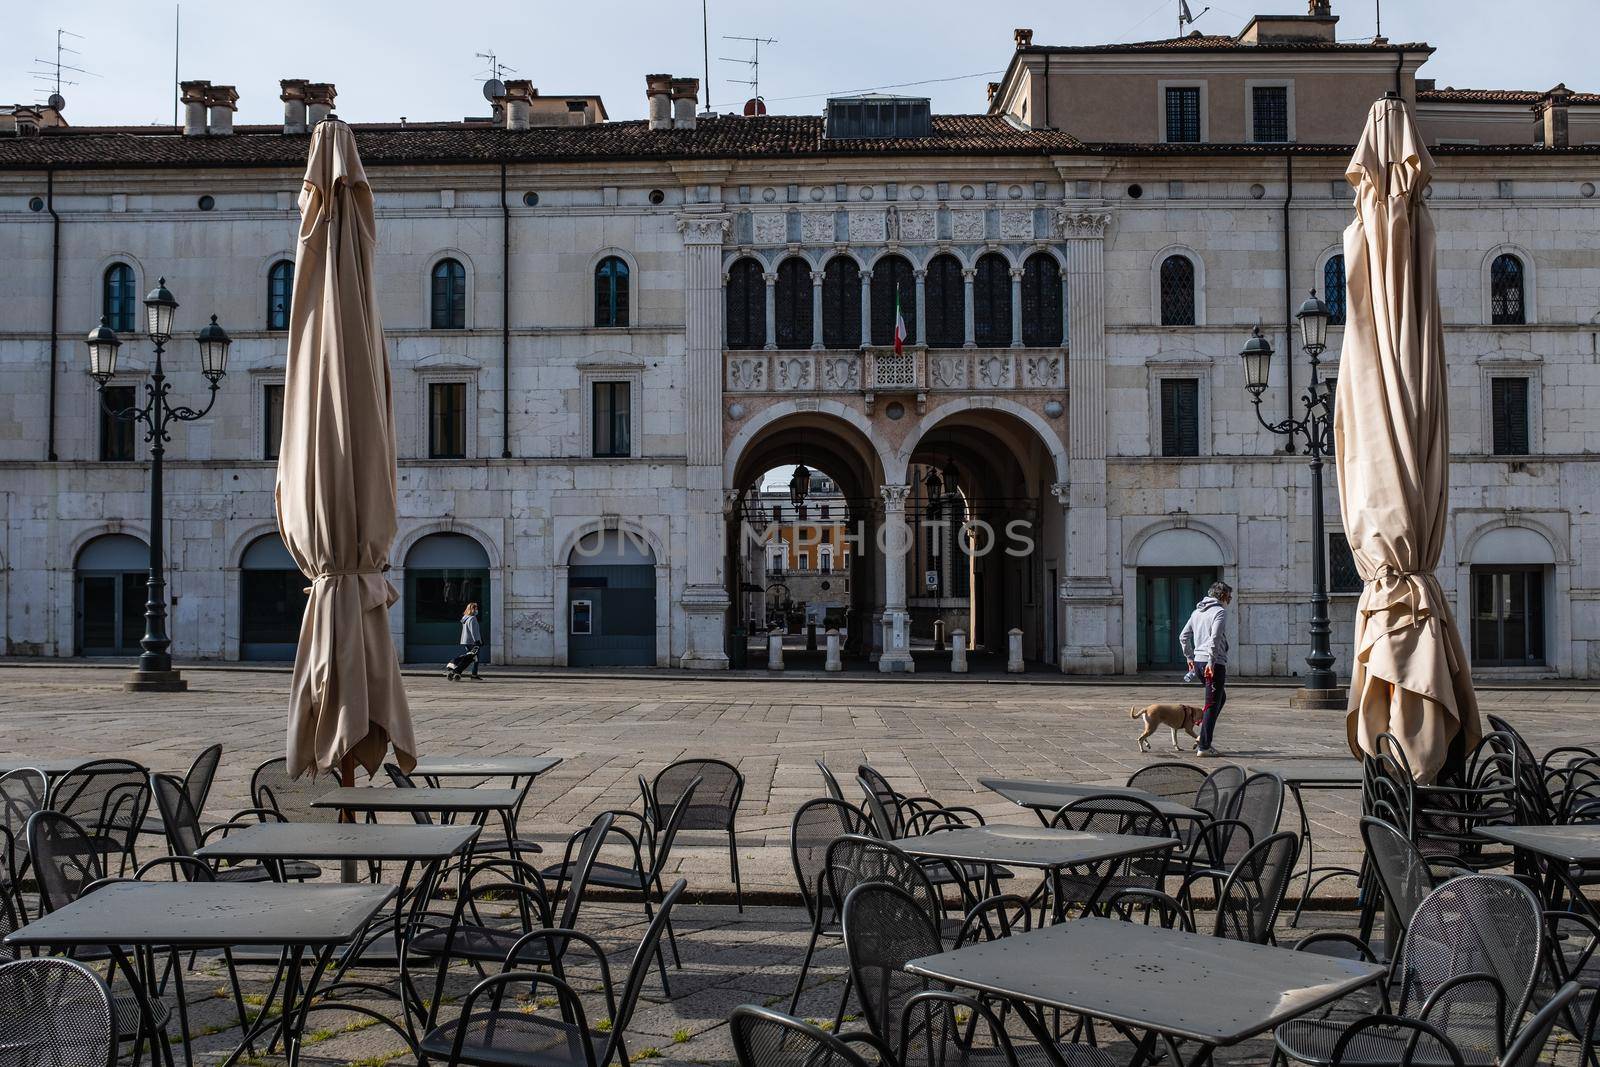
[[1109, 814], [483, 845], [715, 807], [766, 1038], [276, 795], [196, 785], [1169, 780], [55, 1013], [488, 1032], [830, 781], [180, 821], [1252, 893], [22, 792], [1251, 816], [109, 799], [817, 825], [1528, 1046]]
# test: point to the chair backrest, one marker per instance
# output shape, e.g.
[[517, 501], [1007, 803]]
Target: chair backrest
[[856, 860], [1527, 1048], [506, 881], [882, 796], [1258, 804], [830, 781], [1113, 813], [716, 800], [1148, 907], [1215, 795], [1169, 780], [669, 833], [64, 858], [57, 1012], [766, 1038], [1403, 874], [402, 780], [640, 969], [1248, 903], [884, 822], [815, 826], [109, 797], [1473, 924], [271, 787], [884, 929], [22, 792], [202, 773], [178, 815], [578, 873]]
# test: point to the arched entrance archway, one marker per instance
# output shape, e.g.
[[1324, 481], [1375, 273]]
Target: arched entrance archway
[[444, 573], [110, 576], [272, 600], [611, 601]]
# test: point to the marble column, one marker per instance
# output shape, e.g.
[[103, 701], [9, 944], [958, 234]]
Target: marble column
[[896, 539], [772, 310], [1089, 596], [705, 596], [866, 307], [816, 310], [921, 337], [1066, 307], [1016, 307], [968, 275]]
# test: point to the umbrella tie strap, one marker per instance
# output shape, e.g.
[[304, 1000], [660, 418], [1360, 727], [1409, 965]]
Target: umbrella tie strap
[[347, 571]]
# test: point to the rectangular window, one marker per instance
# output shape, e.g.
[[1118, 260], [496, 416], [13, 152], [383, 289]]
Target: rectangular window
[[1509, 408], [804, 561], [1183, 113], [1342, 574], [1507, 616], [447, 420], [611, 419], [1180, 416], [116, 435], [775, 558], [1269, 112], [271, 420], [825, 560]]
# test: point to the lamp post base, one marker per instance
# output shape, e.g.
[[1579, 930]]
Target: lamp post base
[[155, 682], [1335, 699]]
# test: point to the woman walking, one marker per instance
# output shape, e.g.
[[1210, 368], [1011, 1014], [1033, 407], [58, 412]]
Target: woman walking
[[472, 641]]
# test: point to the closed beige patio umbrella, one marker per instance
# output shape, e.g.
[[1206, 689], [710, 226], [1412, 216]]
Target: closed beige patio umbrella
[[336, 478], [1411, 677]]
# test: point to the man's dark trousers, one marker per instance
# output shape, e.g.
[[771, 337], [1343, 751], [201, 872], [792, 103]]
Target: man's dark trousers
[[1216, 697]]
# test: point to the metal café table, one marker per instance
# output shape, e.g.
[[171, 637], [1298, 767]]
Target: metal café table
[[474, 805], [146, 916], [52, 767], [1044, 848], [1046, 798], [513, 767], [1562, 847], [1331, 775], [1169, 983]]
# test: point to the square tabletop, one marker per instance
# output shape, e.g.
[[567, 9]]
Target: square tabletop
[[199, 914], [1192, 986], [1049, 796], [380, 798], [341, 841], [1577, 843], [1318, 773], [486, 766], [49, 766], [1043, 847]]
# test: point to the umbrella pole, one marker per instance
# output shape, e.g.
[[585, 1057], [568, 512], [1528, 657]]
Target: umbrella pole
[[347, 778]]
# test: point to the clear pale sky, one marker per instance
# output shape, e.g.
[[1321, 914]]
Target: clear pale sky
[[414, 58]]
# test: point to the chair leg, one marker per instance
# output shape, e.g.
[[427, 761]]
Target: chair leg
[[805, 966], [733, 864], [661, 958], [844, 1001]]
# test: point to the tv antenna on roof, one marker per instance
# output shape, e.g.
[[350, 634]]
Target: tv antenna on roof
[[51, 70], [1185, 18], [754, 62], [495, 84]]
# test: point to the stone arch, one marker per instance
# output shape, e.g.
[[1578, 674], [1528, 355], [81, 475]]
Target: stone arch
[[1199, 264], [777, 413], [1137, 543], [1046, 433], [609, 524], [91, 533], [663, 584], [1556, 543], [407, 541], [242, 543]]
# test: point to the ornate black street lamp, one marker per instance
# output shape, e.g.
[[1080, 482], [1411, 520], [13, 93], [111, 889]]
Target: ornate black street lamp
[[155, 673], [1315, 428]]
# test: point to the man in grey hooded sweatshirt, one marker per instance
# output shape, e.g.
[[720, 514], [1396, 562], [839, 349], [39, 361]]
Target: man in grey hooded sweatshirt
[[1205, 645]]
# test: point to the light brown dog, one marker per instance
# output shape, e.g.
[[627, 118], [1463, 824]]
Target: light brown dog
[[1172, 716]]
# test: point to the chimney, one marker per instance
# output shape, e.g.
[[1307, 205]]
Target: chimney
[[221, 102], [518, 103], [1319, 9], [293, 95], [658, 93], [994, 90], [319, 101], [194, 107], [685, 100], [1023, 37], [577, 113], [1554, 108]]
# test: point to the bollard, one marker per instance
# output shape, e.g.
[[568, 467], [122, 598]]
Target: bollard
[[811, 637], [958, 652], [775, 650], [833, 663], [938, 635], [1014, 652]]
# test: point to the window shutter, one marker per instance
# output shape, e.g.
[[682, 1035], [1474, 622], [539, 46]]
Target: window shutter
[[1509, 411], [1180, 417]]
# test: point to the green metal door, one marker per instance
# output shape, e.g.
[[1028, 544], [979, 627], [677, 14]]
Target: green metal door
[[1166, 597]]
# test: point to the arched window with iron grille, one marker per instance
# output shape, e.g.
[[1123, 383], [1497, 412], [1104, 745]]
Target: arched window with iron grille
[[892, 279], [991, 302], [793, 300], [449, 311], [118, 301], [841, 303], [1041, 301], [746, 305], [946, 313], [1177, 291], [1506, 304], [280, 288], [1333, 289], [611, 292]]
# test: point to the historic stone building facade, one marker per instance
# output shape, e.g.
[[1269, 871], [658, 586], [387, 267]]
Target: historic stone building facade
[[604, 333]]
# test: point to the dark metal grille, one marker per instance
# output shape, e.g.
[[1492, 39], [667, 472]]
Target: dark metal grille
[[1509, 408], [946, 313], [991, 302], [280, 287], [611, 292], [1177, 291], [892, 275], [747, 305], [1342, 574], [793, 300], [1041, 301], [1180, 417], [1269, 113], [1333, 289], [118, 298], [449, 295], [841, 303], [1183, 114], [1505, 291]]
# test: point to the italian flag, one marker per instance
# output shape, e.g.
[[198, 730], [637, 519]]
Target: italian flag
[[899, 327]]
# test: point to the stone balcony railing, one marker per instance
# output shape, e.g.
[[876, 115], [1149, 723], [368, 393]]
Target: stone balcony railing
[[875, 371]]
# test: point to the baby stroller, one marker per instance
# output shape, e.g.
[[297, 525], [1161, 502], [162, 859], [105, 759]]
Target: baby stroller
[[469, 658]]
